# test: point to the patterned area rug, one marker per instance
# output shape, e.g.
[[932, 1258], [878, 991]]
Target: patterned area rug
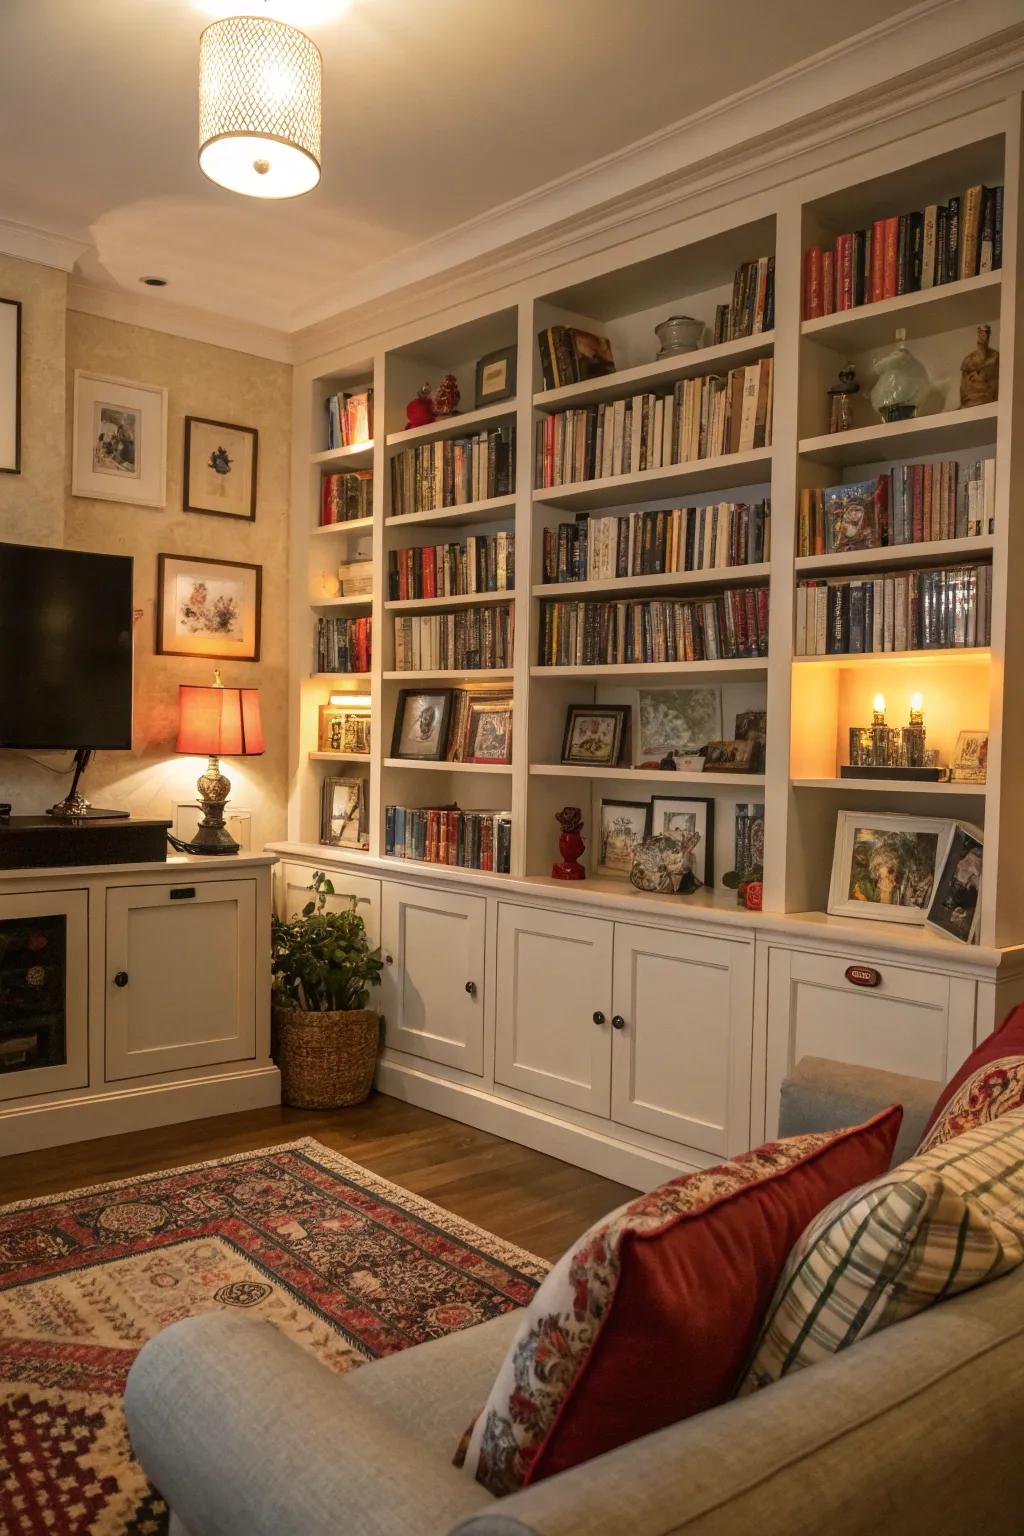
[[346, 1264]]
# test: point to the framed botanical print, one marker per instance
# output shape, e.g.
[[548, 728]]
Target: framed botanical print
[[119, 440], [220, 468], [690, 822], [422, 716], [10, 387], [208, 608], [624, 825], [595, 734], [885, 866]]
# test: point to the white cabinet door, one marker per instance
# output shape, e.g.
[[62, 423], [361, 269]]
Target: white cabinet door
[[180, 983], [912, 1021], [44, 993], [294, 892], [554, 1006], [432, 988], [681, 1037]]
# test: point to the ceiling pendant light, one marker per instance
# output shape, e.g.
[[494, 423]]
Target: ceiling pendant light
[[259, 107]]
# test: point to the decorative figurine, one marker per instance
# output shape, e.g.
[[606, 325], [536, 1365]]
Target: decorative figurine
[[979, 372], [570, 845], [420, 411], [840, 394], [668, 762], [679, 333], [661, 863], [902, 382], [447, 396]]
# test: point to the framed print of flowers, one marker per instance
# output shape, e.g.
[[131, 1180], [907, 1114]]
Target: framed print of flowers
[[208, 608], [220, 468]]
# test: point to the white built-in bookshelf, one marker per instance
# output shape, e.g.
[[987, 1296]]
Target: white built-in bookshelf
[[622, 292]]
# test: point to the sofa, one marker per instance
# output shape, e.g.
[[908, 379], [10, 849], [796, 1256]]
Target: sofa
[[918, 1430]]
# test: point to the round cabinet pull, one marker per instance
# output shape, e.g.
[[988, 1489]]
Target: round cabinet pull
[[471, 988], [599, 1017], [618, 1022], [121, 979], [388, 960]]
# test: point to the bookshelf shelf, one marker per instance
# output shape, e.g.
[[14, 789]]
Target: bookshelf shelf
[[733, 669], [494, 509], [354, 525], [650, 377], [464, 425], [433, 604], [498, 770], [891, 787], [339, 757], [355, 456], [946, 308], [945, 432], [340, 604], [738, 781], [724, 472], [350, 677], [956, 657], [637, 586], [926, 553], [443, 871], [482, 675]]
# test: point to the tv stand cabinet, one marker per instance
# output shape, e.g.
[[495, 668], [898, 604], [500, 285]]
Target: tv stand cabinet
[[132, 995]]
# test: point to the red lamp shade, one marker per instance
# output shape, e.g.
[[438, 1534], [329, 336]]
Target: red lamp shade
[[219, 722]]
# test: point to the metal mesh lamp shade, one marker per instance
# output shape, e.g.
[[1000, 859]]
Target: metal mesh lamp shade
[[259, 107]]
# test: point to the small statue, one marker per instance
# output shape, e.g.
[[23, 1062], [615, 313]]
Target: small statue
[[420, 411], [570, 845], [979, 372], [446, 396], [902, 382], [668, 762], [664, 864], [840, 394]]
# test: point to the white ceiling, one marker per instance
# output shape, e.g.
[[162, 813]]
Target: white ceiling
[[435, 111]]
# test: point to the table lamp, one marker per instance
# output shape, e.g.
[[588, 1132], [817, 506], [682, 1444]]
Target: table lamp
[[217, 722]]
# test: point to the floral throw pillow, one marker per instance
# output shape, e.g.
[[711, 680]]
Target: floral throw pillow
[[653, 1314], [990, 1083]]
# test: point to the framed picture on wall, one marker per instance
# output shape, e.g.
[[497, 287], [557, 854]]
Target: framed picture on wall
[[10, 386], [220, 468], [119, 440], [208, 608]]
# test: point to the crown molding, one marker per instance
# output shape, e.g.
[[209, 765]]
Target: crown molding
[[157, 314], [42, 246]]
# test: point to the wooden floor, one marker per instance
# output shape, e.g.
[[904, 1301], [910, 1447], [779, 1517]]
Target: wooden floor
[[523, 1196]]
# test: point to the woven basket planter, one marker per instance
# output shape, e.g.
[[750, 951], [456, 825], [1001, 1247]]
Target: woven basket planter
[[327, 1060]]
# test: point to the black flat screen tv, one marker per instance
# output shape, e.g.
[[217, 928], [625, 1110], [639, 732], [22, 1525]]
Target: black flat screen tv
[[65, 649]]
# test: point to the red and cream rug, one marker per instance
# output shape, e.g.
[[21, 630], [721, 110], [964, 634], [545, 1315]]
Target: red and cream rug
[[348, 1265]]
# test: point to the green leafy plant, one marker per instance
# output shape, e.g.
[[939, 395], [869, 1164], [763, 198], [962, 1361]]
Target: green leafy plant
[[322, 961]]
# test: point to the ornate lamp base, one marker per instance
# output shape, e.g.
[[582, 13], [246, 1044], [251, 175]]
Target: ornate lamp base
[[212, 836]]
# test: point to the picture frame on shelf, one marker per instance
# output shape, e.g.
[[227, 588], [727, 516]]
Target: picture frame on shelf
[[345, 729], [208, 608], [680, 721], [221, 468], [956, 904], [10, 386], [343, 822], [422, 718], [487, 736], [496, 377], [595, 734], [736, 756], [970, 758], [622, 827], [119, 440], [680, 818], [885, 866]]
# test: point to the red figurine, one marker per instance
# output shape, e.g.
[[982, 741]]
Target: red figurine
[[420, 411], [753, 895], [570, 845], [447, 398]]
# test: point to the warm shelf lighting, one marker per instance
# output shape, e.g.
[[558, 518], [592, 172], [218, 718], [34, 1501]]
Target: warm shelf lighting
[[345, 700], [259, 107]]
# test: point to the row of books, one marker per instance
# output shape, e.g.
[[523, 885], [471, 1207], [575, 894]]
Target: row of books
[[581, 634], [942, 243], [752, 307], [714, 537], [569, 356], [471, 640], [448, 835], [704, 417], [902, 611], [349, 418], [346, 496], [452, 472], [909, 504], [479, 564], [342, 645]]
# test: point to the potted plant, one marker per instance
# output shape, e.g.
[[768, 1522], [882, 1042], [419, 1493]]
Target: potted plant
[[326, 1039]]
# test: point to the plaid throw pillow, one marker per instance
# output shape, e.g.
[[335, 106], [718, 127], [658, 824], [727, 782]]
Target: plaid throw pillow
[[945, 1221]]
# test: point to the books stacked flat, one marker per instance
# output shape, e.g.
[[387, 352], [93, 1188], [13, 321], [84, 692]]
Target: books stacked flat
[[724, 627], [453, 472], [356, 577], [910, 504], [702, 418], [447, 835], [349, 418], [346, 496], [472, 640], [752, 308], [714, 537], [942, 243], [568, 356], [342, 645], [479, 564], [902, 611]]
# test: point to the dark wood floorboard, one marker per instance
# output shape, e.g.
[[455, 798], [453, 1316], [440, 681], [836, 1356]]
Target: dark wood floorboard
[[523, 1196]]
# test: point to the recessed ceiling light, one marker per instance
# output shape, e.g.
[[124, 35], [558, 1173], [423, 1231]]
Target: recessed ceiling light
[[154, 282]]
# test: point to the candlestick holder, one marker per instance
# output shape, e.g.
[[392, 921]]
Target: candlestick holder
[[881, 751]]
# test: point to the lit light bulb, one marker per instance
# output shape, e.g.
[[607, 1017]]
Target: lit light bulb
[[916, 703], [879, 704]]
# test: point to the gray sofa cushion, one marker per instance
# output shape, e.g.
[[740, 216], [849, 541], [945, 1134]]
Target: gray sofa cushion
[[820, 1095]]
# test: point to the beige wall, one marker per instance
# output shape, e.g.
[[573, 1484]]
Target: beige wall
[[224, 385], [32, 503]]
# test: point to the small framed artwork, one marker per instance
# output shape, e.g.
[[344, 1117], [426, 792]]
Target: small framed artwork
[[345, 729], [220, 468], [10, 386], [421, 724], [956, 905], [624, 824], [488, 731], [733, 756], [119, 440], [496, 377], [208, 608], [970, 758], [678, 720], [692, 823], [595, 734], [343, 813], [885, 866]]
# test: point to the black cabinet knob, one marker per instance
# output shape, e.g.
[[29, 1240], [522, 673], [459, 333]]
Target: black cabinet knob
[[618, 1022], [121, 979], [471, 988], [388, 960], [599, 1017]]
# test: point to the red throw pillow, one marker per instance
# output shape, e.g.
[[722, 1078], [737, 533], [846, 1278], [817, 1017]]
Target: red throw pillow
[[653, 1315], [990, 1082]]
